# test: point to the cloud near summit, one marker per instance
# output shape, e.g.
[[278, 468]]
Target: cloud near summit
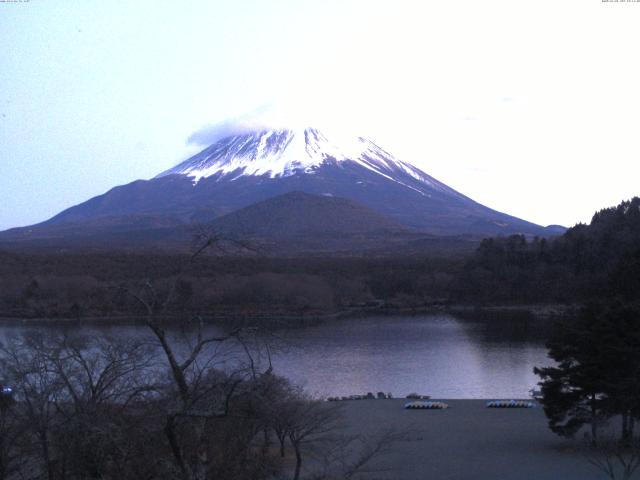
[[289, 114], [263, 118], [211, 133]]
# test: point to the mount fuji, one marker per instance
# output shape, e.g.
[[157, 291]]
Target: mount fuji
[[252, 166]]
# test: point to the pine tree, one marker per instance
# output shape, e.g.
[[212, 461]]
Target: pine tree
[[573, 392], [598, 370]]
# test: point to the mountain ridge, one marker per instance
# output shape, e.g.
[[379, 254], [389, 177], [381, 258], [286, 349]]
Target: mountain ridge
[[244, 169]]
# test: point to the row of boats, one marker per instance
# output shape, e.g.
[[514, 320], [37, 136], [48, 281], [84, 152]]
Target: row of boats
[[421, 405], [429, 405], [510, 404]]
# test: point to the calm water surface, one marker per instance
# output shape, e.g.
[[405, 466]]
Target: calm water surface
[[438, 355]]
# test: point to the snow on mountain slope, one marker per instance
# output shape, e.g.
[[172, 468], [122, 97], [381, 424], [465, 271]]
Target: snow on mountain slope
[[244, 165], [286, 152]]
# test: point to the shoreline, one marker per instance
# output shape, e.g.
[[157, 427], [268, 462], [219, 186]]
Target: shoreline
[[537, 312]]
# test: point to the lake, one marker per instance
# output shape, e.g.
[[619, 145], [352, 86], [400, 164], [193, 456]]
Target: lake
[[434, 354], [437, 355]]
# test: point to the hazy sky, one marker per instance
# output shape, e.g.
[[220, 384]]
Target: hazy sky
[[529, 107]]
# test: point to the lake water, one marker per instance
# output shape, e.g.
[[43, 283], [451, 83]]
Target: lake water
[[438, 355]]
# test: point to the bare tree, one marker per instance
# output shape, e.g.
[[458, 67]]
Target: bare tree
[[310, 421], [203, 396], [11, 432], [354, 457], [187, 373], [71, 394], [26, 366], [102, 376], [618, 460]]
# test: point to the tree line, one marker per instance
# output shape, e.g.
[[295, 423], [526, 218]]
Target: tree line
[[599, 259], [86, 286]]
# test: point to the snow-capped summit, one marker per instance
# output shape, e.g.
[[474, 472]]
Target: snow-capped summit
[[286, 152], [277, 153]]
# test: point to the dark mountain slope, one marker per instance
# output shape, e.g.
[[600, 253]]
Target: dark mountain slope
[[242, 170], [297, 214]]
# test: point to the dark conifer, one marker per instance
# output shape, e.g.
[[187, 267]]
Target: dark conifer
[[598, 370]]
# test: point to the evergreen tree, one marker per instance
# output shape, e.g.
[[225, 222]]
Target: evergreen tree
[[573, 392], [598, 370], [621, 355]]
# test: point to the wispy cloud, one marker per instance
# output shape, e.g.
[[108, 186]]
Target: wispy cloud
[[262, 118]]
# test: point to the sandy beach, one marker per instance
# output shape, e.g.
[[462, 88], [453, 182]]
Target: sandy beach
[[469, 442]]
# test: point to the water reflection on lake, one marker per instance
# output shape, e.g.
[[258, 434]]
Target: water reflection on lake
[[432, 354], [439, 355]]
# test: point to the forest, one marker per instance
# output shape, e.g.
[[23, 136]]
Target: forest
[[602, 258], [87, 285], [599, 259]]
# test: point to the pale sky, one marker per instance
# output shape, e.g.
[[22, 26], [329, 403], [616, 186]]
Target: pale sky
[[529, 107]]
